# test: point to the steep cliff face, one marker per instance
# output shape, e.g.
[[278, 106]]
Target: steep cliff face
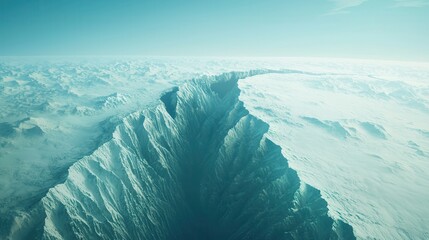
[[197, 166]]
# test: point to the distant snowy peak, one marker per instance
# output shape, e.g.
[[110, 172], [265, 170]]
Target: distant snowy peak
[[29, 127], [83, 111], [111, 101]]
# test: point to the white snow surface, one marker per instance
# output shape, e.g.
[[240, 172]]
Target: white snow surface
[[360, 138], [356, 130]]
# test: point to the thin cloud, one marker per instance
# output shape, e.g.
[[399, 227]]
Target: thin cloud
[[411, 3], [342, 6]]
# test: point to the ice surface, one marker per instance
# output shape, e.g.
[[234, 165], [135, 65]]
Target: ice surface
[[356, 130]]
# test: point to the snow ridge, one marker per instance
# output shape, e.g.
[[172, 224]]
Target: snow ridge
[[196, 166]]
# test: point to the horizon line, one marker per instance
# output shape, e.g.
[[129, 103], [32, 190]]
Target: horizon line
[[215, 57]]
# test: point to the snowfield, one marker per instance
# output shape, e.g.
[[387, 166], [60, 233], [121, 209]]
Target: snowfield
[[165, 148], [361, 140]]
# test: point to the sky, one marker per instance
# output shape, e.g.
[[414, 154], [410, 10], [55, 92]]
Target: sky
[[370, 29]]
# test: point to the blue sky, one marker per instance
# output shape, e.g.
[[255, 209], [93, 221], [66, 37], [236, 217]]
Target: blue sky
[[375, 29]]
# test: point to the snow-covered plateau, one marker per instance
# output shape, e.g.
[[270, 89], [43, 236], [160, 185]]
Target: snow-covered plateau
[[169, 148]]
